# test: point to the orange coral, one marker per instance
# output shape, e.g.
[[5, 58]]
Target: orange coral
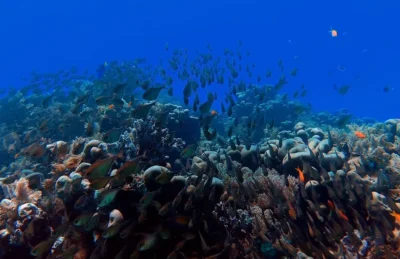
[[34, 197], [73, 161], [22, 190], [48, 185], [59, 169], [77, 146]]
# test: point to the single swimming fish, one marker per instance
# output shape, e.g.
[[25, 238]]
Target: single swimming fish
[[331, 205], [148, 242], [301, 175], [333, 32], [396, 216], [342, 215], [292, 211], [359, 134]]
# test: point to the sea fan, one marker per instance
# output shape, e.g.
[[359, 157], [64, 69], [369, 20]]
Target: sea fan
[[22, 190]]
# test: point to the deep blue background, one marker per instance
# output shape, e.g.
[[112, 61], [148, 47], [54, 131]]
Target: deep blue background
[[49, 35]]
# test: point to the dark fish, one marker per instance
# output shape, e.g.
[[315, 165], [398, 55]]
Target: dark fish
[[130, 167], [30, 136], [230, 111], [187, 91], [169, 80], [142, 110], [261, 96], [119, 88], [82, 99], [222, 108], [43, 126], [196, 99], [209, 135], [99, 183], [231, 100], [237, 141], [229, 133], [100, 168], [47, 100], [386, 89], [210, 97], [152, 93], [189, 151], [10, 179], [102, 100], [112, 135], [75, 109], [43, 247], [343, 121], [234, 90], [145, 84], [298, 109], [236, 121], [282, 81], [272, 124], [171, 91], [343, 89], [221, 141], [207, 120], [205, 107], [107, 197], [118, 103]]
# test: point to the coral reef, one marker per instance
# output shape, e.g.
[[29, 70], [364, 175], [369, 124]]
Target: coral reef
[[96, 172]]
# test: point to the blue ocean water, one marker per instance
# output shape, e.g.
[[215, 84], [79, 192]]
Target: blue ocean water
[[46, 36]]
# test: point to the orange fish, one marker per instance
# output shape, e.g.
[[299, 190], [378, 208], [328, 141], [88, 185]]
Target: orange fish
[[214, 112], [292, 211], [310, 230], [181, 220], [359, 134], [331, 205], [342, 215], [301, 175], [396, 216], [333, 33], [111, 106], [16, 156]]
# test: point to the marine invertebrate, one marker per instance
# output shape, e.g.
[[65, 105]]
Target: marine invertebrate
[[73, 161], [22, 190], [59, 169]]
